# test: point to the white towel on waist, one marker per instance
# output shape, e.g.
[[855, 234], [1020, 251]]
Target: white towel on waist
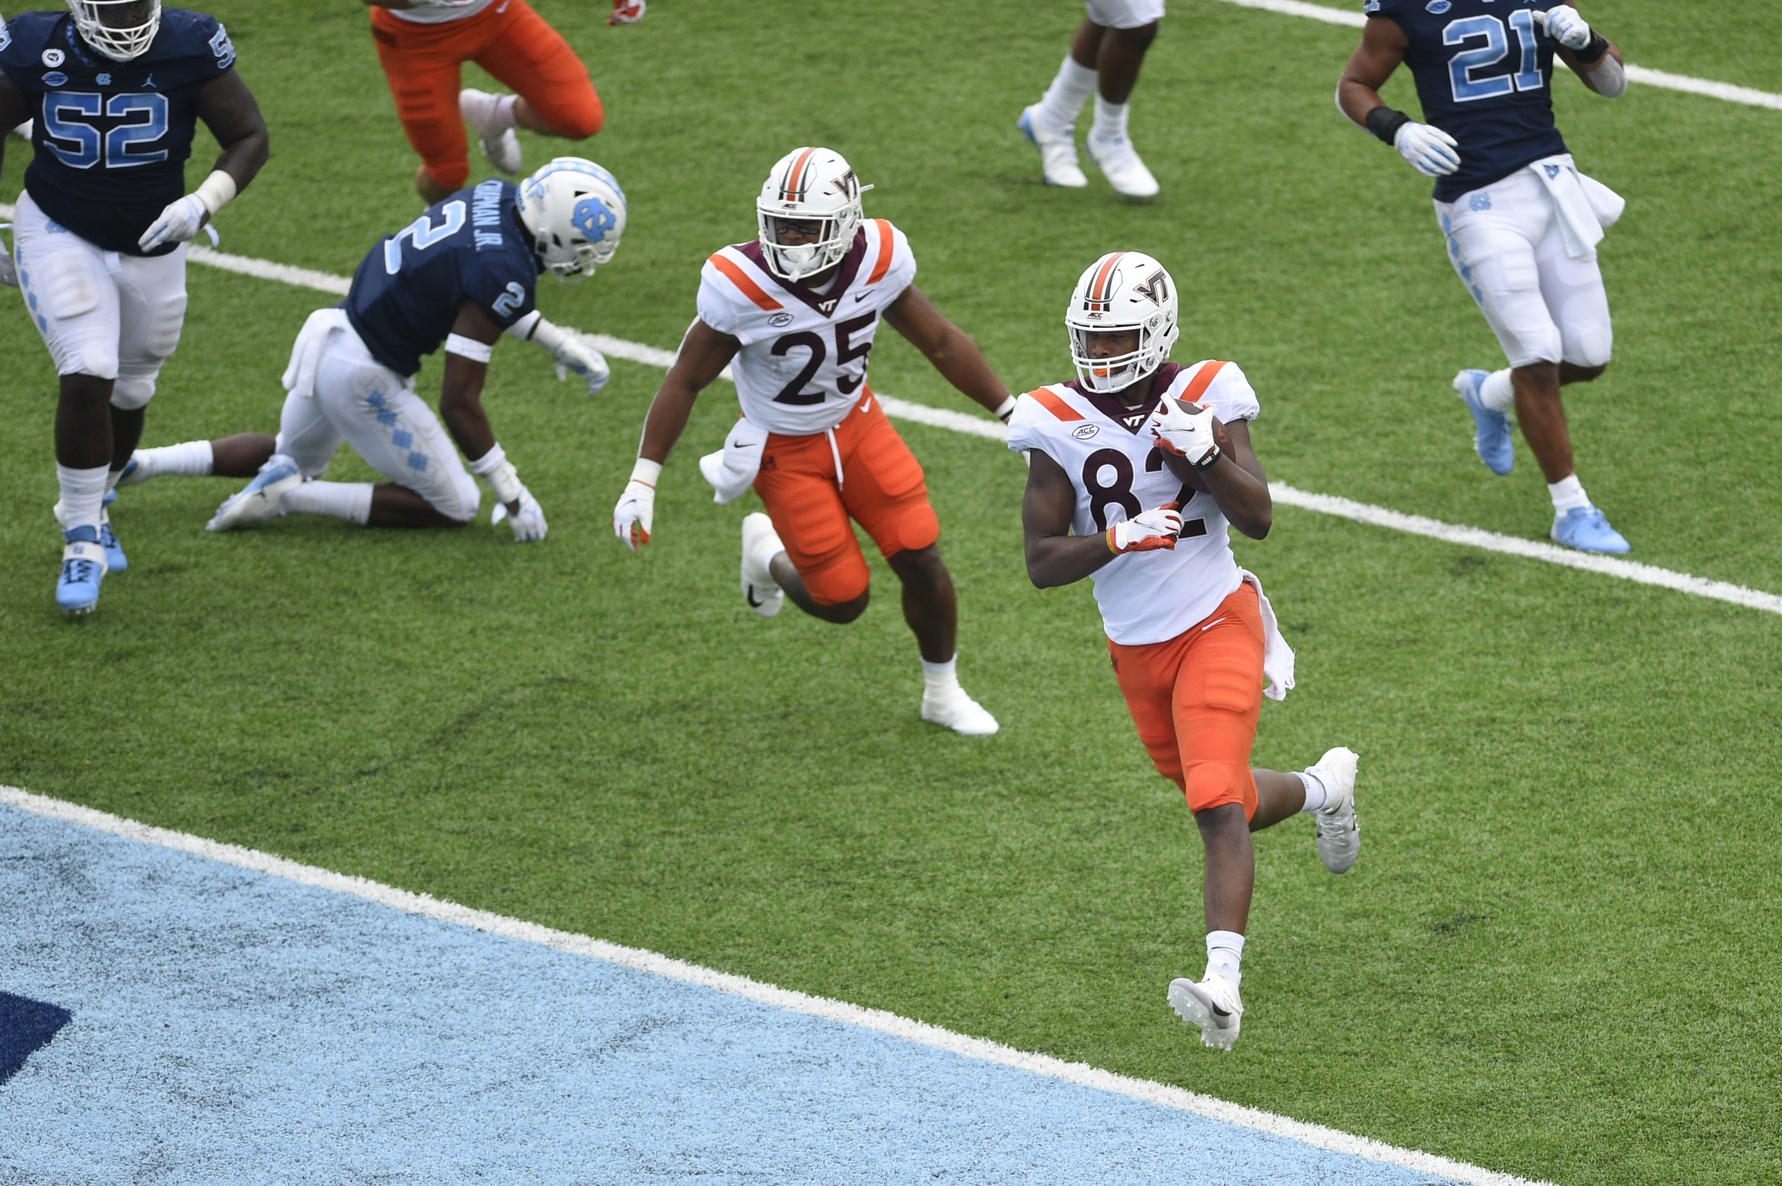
[[1583, 209], [1277, 656], [732, 469], [306, 354]]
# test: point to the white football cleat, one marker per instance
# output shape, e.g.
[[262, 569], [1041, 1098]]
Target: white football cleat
[[501, 147], [1211, 1004], [1119, 163], [1339, 835], [953, 709], [261, 498], [1057, 149], [760, 544]]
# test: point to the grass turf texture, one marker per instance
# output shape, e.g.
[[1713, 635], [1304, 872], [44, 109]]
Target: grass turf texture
[[1556, 955]]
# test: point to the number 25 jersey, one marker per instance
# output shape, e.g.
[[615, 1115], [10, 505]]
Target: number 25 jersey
[[1118, 473], [111, 138], [802, 366]]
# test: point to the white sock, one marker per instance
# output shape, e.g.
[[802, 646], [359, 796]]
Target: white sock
[[344, 500], [1064, 99], [939, 678], [1568, 494], [1110, 120], [1225, 956], [83, 494], [491, 114], [1316, 795], [189, 459], [1496, 393]]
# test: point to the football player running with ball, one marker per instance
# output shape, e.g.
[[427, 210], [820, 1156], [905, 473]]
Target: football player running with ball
[[462, 274], [115, 91], [1136, 470], [797, 309], [1522, 223]]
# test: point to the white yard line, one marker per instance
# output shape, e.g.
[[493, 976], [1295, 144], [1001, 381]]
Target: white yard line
[[918, 1032], [1641, 74], [1326, 504]]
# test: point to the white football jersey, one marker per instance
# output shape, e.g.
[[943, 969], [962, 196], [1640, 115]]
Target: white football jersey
[[802, 366], [1118, 473]]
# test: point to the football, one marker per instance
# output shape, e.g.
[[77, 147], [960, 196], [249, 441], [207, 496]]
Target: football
[[1180, 466]]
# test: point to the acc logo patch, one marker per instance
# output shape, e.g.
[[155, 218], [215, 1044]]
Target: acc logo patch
[[1084, 431], [1438, 6], [593, 219], [54, 78], [780, 319], [54, 57]]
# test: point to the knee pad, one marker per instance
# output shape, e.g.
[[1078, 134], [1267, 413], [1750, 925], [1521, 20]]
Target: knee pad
[[578, 121], [452, 175], [1214, 784], [98, 359], [1590, 346], [132, 391], [461, 501], [838, 580]]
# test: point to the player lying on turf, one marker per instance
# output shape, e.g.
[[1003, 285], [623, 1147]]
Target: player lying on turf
[[1521, 222], [461, 275], [115, 92], [797, 310], [1136, 470]]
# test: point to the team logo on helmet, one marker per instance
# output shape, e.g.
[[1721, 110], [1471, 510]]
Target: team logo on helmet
[[593, 219]]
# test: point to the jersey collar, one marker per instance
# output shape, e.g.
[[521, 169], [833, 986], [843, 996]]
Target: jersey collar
[[826, 304]]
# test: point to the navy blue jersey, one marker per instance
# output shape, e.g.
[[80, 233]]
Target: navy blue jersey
[[111, 138], [470, 247], [1483, 71]]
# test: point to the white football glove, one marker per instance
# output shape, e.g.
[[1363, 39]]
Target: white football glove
[[635, 513], [1429, 149], [9, 275], [178, 223], [529, 524], [1564, 25], [578, 356], [1184, 432], [1156, 528]]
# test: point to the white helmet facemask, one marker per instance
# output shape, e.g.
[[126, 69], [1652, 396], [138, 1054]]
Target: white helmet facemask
[[119, 29], [1122, 291], [575, 212], [816, 188]]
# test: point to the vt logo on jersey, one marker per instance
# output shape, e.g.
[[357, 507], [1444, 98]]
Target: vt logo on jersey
[[593, 219]]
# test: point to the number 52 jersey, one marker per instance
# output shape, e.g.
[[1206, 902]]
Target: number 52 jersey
[[111, 138], [1118, 473], [802, 366]]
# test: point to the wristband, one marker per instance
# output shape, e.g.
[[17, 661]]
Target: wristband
[[469, 348], [218, 190], [494, 468], [1110, 539], [1384, 122], [1206, 462], [1593, 50], [1005, 409], [646, 471]]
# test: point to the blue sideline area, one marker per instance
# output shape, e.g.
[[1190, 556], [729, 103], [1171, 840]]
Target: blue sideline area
[[179, 1020]]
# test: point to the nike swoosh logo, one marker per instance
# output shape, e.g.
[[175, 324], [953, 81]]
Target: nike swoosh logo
[[860, 296], [1212, 624], [749, 595]]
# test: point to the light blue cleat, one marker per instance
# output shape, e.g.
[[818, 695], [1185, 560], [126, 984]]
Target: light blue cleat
[[260, 499], [1492, 428], [115, 560], [1585, 529], [83, 567], [130, 474]]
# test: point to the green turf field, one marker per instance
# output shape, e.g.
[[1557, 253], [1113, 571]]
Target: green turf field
[[1558, 954]]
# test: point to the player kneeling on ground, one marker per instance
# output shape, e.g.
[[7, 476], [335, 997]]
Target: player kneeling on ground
[[462, 274], [798, 309], [1136, 470]]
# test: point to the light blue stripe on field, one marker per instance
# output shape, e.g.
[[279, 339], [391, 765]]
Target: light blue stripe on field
[[233, 1026]]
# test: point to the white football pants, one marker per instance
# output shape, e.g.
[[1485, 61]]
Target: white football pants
[[1124, 14], [101, 313], [359, 400], [1506, 246]]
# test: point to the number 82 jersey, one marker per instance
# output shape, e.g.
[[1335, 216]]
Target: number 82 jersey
[[1119, 473]]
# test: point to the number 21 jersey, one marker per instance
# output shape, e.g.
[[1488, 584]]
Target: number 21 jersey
[[802, 366]]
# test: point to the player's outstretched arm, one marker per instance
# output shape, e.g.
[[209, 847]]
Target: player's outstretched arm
[[468, 349], [703, 355], [229, 110], [1054, 555], [951, 351], [1592, 57], [1427, 148]]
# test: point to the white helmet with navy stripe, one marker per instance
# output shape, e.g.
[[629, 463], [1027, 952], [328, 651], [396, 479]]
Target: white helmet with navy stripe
[[119, 29], [575, 212], [809, 185], [1122, 291]]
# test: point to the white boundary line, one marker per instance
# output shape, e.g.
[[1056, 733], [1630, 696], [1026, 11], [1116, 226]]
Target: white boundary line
[[918, 1032], [1675, 82], [1326, 504]]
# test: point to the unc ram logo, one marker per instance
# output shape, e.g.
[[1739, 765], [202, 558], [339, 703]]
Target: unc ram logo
[[593, 219]]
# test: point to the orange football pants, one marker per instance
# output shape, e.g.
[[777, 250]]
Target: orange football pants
[[881, 486], [510, 41], [1196, 699]]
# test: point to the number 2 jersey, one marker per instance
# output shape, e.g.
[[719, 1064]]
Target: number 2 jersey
[[111, 138], [470, 247], [1118, 473], [1483, 72], [802, 366]]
